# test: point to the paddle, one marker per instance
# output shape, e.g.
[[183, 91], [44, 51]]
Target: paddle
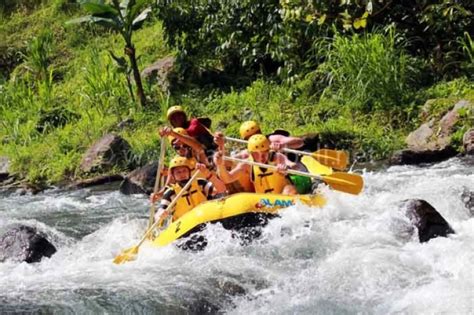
[[130, 253], [314, 167], [348, 183], [331, 158], [157, 186]]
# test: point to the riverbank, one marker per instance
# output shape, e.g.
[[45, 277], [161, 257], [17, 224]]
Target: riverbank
[[67, 91]]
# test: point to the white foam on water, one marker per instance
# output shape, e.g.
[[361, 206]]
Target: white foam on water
[[358, 254]]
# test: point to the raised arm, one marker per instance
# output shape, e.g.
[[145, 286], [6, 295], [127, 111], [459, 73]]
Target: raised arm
[[229, 176], [287, 142], [189, 141]]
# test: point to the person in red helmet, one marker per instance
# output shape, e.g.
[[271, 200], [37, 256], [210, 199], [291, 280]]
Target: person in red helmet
[[197, 128]]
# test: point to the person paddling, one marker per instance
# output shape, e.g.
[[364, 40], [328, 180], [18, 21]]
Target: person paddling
[[264, 180], [279, 138], [197, 128], [201, 189]]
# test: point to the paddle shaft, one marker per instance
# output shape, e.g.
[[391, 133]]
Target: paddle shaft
[[290, 171], [171, 205], [284, 149], [159, 170], [160, 164]]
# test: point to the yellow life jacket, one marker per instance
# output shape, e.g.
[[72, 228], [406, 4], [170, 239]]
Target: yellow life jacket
[[268, 181], [188, 200]]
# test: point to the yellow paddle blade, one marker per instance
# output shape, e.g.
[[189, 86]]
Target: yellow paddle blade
[[127, 255], [349, 183], [332, 158], [314, 167]]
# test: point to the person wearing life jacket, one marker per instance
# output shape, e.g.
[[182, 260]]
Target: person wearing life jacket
[[180, 169], [279, 138], [198, 128], [243, 183], [184, 146], [264, 180]]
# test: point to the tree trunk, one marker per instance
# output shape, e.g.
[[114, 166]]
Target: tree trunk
[[130, 51]]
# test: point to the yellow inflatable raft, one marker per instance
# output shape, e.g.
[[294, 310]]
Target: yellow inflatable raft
[[236, 211]]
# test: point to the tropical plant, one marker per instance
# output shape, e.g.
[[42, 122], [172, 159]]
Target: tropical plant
[[282, 36], [38, 56], [123, 17]]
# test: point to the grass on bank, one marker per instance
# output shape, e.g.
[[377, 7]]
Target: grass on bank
[[364, 97]]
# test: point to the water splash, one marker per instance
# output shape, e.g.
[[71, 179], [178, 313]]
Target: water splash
[[356, 255]]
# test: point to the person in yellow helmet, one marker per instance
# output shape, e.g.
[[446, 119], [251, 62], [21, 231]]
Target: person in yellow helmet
[[184, 146], [201, 189], [279, 138], [264, 180], [198, 128]]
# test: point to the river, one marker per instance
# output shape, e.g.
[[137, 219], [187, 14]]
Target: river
[[355, 255]]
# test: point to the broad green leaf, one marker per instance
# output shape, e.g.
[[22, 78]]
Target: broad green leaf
[[82, 19], [99, 9], [110, 23]]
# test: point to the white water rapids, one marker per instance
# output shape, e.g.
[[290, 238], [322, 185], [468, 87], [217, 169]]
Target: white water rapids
[[354, 256]]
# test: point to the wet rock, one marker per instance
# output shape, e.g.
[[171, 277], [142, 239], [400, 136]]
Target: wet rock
[[468, 142], [109, 151], [4, 168], [159, 72], [431, 142], [98, 180], [202, 306], [427, 220], [140, 181], [407, 156], [230, 288], [24, 243], [467, 197]]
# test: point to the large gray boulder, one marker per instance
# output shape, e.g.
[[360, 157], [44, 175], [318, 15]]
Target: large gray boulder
[[431, 142], [140, 181], [426, 219], [160, 72], [109, 151], [24, 243]]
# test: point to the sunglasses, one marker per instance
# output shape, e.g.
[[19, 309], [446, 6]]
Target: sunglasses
[[177, 146]]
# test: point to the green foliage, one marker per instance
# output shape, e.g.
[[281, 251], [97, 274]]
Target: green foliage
[[467, 45], [282, 37], [104, 89], [38, 55], [124, 18], [76, 87], [369, 71]]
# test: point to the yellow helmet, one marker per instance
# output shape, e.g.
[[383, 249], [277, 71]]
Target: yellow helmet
[[173, 110], [178, 161], [248, 129], [178, 130], [258, 143]]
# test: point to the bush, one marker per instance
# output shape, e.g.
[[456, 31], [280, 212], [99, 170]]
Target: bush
[[369, 72]]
